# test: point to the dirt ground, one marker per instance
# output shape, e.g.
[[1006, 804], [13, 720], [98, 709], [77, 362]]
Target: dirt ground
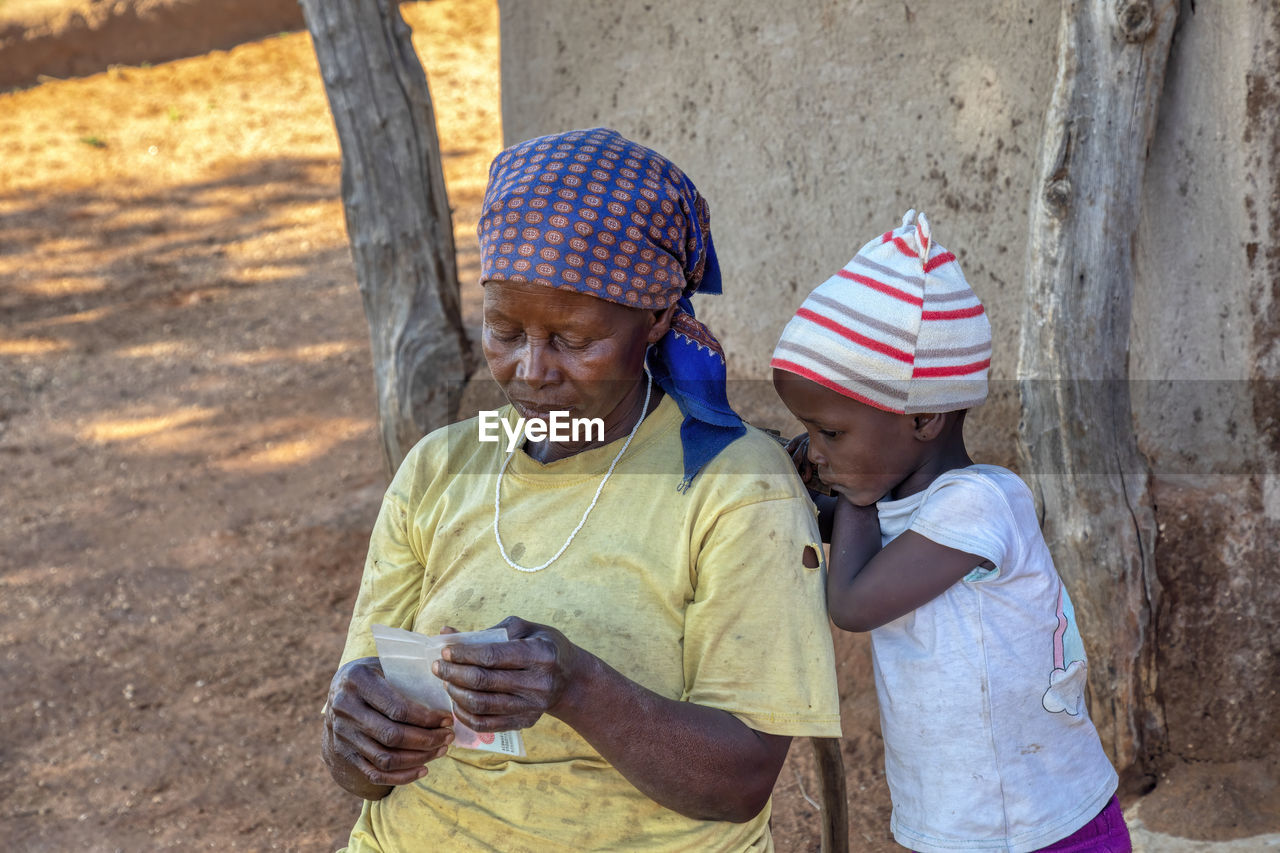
[[189, 466], [40, 39]]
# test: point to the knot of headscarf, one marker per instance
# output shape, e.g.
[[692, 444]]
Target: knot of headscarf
[[594, 212]]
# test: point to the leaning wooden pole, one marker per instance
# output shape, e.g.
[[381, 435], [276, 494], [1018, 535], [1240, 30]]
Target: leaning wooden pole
[[835, 802], [397, 213], [1077, 441]]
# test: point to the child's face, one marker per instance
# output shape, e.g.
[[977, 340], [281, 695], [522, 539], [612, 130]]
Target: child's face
[[860, 451]]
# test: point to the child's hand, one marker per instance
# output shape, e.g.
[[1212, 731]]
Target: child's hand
[[798, 448]]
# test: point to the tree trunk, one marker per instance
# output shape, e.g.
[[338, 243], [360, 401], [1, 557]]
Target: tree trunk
[[397, 213], [1077, 442]]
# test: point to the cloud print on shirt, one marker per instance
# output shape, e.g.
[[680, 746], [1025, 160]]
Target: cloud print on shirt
[[1066, 690]]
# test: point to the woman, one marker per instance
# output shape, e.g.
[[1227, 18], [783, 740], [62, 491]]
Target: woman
[[660, 584]]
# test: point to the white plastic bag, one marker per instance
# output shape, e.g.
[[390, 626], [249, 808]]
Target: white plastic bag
[[406, 659]]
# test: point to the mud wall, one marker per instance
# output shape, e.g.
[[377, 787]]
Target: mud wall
[[88, 36], [1206, 364], [812, 127], [810, 131]]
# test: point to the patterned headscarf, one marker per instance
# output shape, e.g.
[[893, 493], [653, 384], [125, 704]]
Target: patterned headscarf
[[594, 212]]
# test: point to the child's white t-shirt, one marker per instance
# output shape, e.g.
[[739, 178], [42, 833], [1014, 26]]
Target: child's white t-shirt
[[988, 744]]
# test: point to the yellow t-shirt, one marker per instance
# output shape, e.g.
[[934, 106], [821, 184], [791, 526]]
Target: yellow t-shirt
[[701, 597]]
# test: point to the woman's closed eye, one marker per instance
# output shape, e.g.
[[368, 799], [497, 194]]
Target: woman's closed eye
[[572, 344], [503, 335], [830, 433]]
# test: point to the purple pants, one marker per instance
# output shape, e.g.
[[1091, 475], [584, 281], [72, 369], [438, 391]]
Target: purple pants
[[1106, 833]]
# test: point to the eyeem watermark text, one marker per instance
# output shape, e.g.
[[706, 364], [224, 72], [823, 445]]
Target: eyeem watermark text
[[558, 426]]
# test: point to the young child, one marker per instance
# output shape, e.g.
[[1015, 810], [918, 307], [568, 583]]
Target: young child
[[980, 671]]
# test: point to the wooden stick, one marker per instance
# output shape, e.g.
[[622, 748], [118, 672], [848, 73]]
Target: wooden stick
[[835, 805]]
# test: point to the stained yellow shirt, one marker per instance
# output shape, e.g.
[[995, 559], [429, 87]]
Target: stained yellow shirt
[[701, 597]]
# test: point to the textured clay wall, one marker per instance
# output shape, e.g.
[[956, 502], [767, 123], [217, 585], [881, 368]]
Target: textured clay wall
[[1205, 360], [87, 36], [811, 127]]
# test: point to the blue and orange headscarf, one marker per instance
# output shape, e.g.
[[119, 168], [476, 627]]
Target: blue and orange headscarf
[[594, 212]]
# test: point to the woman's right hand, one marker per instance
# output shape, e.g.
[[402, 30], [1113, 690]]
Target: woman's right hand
[[375, 738]]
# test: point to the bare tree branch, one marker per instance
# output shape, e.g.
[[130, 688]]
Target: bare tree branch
[[397, 212], [1077, 442]]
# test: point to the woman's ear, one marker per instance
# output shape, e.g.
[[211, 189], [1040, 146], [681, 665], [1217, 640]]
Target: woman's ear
[[662, 322], [928, 426]]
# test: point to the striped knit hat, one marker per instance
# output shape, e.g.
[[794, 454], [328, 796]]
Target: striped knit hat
[[898, 328]]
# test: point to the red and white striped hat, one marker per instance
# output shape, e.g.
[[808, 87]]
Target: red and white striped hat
[[898, 328]]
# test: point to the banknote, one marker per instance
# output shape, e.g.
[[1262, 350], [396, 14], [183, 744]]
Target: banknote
[[406, 658]]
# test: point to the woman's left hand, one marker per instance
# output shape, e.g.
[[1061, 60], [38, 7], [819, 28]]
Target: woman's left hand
[[498, 687], [697, 760]]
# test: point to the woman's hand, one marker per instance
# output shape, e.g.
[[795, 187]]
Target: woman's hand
[[375, 738], [701, 762], [499, 687]]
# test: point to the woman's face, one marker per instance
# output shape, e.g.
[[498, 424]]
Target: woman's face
[[558, 350]]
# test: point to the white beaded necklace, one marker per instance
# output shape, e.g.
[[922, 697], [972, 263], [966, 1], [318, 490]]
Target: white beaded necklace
[[497, 490]]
